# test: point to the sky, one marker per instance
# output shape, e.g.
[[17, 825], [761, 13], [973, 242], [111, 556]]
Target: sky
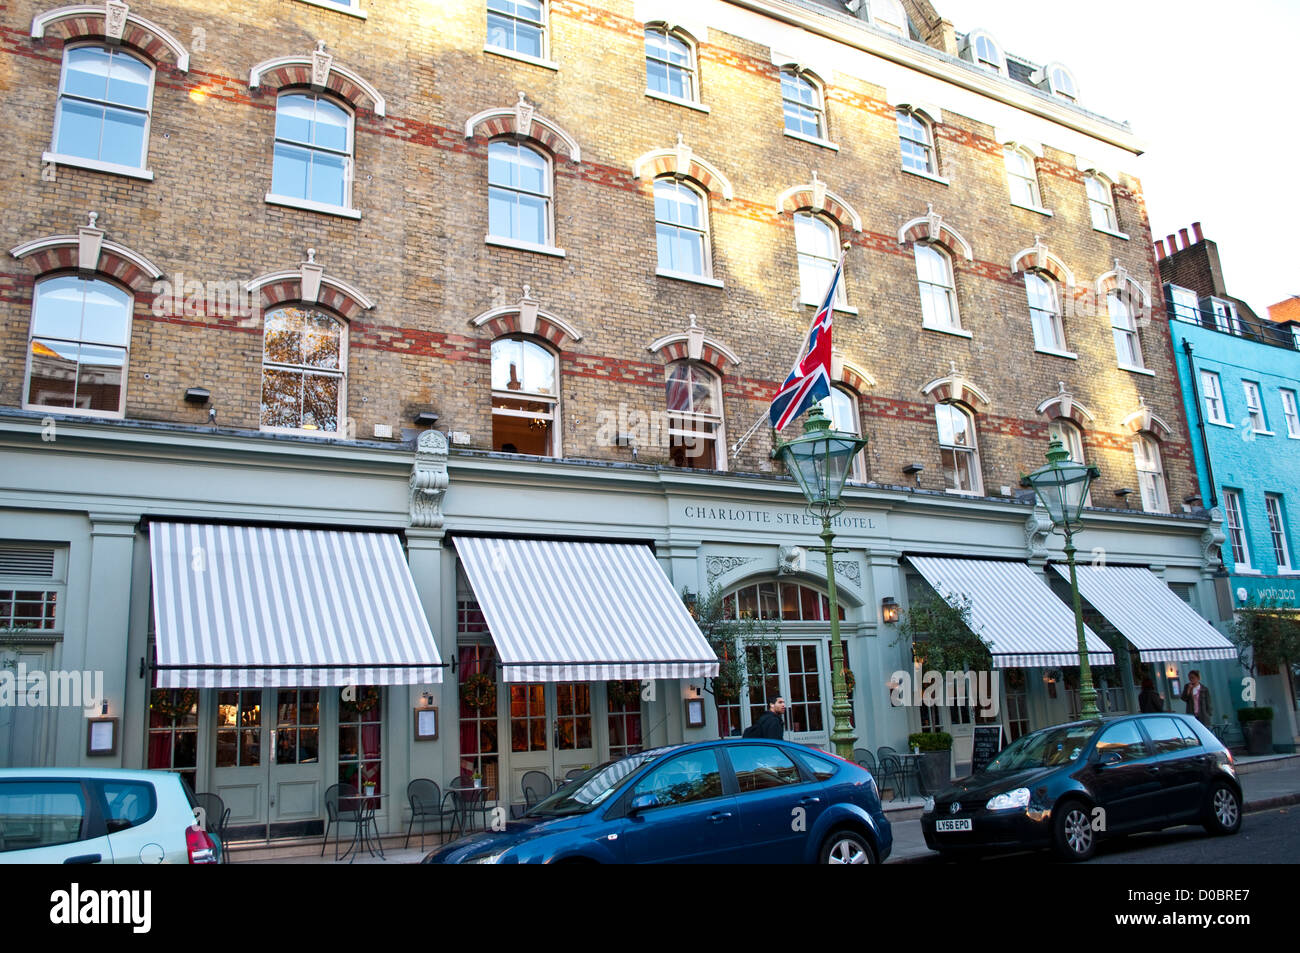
[[1208, 87]]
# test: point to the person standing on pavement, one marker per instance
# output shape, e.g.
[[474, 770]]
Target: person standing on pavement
[[1197, 697], [1149, 699], [771, 724]]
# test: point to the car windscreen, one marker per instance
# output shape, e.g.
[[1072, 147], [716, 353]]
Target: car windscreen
[[588, 791], [1045, 749]]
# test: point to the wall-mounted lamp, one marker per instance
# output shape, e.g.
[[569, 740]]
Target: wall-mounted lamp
[[426, 699], [1171, 670], [1124, 493], [103, 709], [889, 609], [197, 395], [915, 470], [426, 418]]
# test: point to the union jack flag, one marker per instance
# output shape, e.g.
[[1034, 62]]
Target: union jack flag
[[810, 381]]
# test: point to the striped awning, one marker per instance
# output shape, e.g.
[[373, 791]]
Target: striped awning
[[249, 607], [1161, 626], [576, 611], [1013, 608]]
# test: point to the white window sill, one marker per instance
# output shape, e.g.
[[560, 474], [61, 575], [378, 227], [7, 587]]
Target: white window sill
[[694, 279], [664, 98], [522, 57], [309, 206], [1293, 436], [1137, 370], [94, 165], [962, 492], [1287, 571], [76, 412], [824, 143], [1220, 423], [296, 432], [957, 332], [337, 8], [1263, 433], [1246, 571], [926, 175], [523, 246], [1110, 232], [841, 308], [1033, 208], [1055, 353]]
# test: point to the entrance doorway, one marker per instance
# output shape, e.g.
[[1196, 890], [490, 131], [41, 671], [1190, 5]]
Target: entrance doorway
[[552, 729], [799, 673]]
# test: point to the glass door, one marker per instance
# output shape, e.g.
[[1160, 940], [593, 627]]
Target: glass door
[[797, 673], [296, 778], [551, 730]]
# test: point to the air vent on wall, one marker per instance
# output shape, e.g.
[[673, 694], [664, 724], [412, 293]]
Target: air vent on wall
[[27, 562]]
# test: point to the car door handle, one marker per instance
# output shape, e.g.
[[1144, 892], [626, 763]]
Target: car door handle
[[809, 800], [85, 859], [717, 817]]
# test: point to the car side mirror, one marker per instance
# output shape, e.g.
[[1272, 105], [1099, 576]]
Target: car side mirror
[[642, 802], [1108, 759]]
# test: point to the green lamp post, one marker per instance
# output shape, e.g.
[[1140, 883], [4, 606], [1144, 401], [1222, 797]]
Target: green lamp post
[[820, 462], [1062, 488]]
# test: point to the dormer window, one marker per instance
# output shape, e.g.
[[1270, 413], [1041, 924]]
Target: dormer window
[[889, 15], [984, 52], [1060, 82]]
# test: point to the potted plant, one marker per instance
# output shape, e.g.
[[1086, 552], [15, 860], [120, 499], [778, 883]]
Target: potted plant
[[477, 779], [1257, 729], [935, 766]]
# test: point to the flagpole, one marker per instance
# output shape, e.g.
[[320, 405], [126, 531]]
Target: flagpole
[[749, 434]]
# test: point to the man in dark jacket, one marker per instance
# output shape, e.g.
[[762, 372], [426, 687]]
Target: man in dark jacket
[[772, 724]]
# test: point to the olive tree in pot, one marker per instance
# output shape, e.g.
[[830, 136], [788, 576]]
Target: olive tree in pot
[[1267, 641], [936, 758]]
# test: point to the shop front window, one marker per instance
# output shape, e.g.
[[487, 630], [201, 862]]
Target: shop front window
[[174, 732], [624, 701], [297, 726], [239, 728], [361, 737], [479, 746]]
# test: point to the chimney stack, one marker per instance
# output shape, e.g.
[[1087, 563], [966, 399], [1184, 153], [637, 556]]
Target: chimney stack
[[1160, 249], [1196, 230], [1173, 243], [1187, 242]]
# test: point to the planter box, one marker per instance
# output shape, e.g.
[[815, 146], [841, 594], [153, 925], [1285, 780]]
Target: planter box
[[1259, 737]]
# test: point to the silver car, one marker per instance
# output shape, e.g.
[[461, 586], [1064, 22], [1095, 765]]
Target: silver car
[[104, 816]]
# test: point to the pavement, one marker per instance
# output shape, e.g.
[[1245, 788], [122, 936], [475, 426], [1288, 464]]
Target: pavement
[[1267, 782]]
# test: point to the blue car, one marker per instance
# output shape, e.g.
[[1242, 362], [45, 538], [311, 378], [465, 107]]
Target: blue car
[[734, 801]]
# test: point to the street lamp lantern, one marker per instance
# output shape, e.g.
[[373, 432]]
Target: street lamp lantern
[[820, 462], [1062, 487]]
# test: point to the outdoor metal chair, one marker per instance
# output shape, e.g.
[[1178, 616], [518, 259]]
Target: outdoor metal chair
[[574, 773], [866, 759], [342, 806], [428, 802], [536, 785], [215, 818], [893, 775]]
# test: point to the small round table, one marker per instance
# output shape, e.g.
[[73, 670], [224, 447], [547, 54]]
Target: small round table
[[365, 805]]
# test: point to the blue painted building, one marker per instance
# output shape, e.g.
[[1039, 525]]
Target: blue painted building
[[1240, 377]]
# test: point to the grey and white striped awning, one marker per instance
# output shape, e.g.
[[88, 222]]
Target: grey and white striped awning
[[576, 611], [1161, 626], [248, 606], [1013, 608]]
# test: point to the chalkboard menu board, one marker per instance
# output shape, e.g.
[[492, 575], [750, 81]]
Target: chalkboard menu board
[[988, 742]]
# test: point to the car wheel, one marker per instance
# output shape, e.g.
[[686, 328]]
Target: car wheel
[[1074, 837], [1223, 813], [847, 847]]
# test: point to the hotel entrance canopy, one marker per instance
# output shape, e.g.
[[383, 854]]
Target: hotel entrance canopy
[[254, 606], [578, 611], [1161, 626], [1013, 608]]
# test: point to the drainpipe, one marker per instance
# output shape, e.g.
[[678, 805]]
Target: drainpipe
[[1200, 422]]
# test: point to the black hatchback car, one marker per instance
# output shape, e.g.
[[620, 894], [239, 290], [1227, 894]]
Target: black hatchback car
[[1071, 785]]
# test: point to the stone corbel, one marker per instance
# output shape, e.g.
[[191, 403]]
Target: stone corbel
[[429, 480], [90, 241], [791, 560], [1211, 539], [1038, 526], [321, 62]]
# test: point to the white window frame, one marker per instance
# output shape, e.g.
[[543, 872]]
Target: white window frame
[[706, 258], [972, 451], [858, 471], [992, 58], [1103, 205], [1226, 318], [1151, 479], [548, 240], [679, 422], [533, 396], [1027, 177], [120, 412], [1255, 407], [542, 26], [1051, 318], [1290, 413], [894, 19], [140, 171], [690, 70], [302, 369], [349, 159], [1126, 328], [1055, 73], [925, 144], [803, 79], [1216, 411], [810, 276], [1236, 527], [946, 292], [350, 7], [1188, 309], [1277, 532]]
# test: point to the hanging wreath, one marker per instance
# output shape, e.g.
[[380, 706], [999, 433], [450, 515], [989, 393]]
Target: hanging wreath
[[621, 693], [174, 703], [478, 691], [367, 699]]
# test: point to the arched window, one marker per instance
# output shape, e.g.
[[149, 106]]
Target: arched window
[[842, 409], [984, 52], [817, 241], [517, 26], [1071, 438], [1045, 312], [670, 64], [889, 15], [1022, 177], [313, 152], [519, 194], [1128, 348], [1101, 203], [916, 142], [681, 229], [304, 371], [801, 100], [78, 345], [693, 396], [1061, 82], [105, 95], [525, 398], [935, 283], [1151, 474], [958, 451]]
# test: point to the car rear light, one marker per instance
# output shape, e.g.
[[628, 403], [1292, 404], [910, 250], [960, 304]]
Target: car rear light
[[199, 847]]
